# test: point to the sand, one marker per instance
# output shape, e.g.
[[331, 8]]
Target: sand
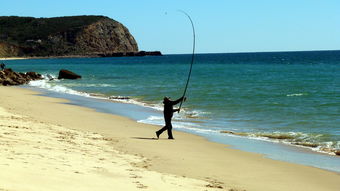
[[12, 58], [48, 145]]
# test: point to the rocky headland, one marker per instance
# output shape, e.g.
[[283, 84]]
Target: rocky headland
[[66, 37]]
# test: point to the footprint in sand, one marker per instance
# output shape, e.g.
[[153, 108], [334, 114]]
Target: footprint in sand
[[140, 185], [135, 176], [214, 183]]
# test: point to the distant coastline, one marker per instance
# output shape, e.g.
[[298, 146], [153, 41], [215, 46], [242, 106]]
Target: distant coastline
[[159, 53], [119, 54]]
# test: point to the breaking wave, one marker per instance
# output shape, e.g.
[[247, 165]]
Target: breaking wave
[[299, 139]]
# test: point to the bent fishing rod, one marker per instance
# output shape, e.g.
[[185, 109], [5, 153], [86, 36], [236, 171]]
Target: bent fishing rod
[[192, 56]]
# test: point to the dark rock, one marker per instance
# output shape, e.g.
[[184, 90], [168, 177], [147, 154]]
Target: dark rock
[[119, 97], [227, 132], [116, 54], [33, 75], [153, 53], [337, 152], [306, 144], [9, 77], [66, 74]]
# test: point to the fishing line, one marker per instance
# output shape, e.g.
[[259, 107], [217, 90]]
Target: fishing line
[[192, 56]]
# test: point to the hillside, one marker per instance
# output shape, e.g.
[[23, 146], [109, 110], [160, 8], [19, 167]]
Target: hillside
[[63, 36]]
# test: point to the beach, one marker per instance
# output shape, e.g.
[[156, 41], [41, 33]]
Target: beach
[[49, 145], [12, 58]]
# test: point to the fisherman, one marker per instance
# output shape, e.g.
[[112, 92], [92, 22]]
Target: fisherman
[[168, 113], [2, 65]]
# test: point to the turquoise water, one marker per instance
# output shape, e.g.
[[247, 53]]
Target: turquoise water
[[291, 97]]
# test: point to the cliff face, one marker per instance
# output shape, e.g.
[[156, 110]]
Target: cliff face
[[64, 36], [6, 50], [106, 36]]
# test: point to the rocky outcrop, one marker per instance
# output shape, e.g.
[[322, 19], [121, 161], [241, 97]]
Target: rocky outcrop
[[337, 152], [8, 77], [64, 36], [66, 74]]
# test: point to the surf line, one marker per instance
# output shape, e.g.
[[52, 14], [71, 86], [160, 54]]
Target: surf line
[[192, 56]]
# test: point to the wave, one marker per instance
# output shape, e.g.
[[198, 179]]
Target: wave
[[180, 124], [154, 120], [298, 139], [56, 86], [91, 85], [44, 84], [296, 94]]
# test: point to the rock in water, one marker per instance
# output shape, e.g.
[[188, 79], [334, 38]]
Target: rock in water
[[66, 74], [337, 152], [33, 75]]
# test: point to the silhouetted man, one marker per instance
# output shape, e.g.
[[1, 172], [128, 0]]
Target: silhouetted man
[[2, 65], [168, 113]]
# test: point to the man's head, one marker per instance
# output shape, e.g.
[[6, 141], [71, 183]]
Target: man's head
[[166, 99]]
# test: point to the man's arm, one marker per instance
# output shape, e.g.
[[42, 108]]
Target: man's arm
[[175, 110], [177, 101]]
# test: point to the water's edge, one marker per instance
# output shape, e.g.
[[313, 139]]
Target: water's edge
[[276, 151]]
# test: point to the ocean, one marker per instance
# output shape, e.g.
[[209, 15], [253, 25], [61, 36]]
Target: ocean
[[269, 103]]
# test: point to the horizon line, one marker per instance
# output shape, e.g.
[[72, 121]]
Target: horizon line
[[252, 52]]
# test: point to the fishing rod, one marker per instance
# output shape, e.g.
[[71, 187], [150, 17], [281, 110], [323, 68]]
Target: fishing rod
[[192, 56]]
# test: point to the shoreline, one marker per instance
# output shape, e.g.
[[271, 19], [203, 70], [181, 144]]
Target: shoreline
[[13, 58], [101, 55], [45, 57], [214, 162], [270, 148]]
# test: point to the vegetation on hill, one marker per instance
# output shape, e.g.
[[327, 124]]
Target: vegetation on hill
[[73, 35]]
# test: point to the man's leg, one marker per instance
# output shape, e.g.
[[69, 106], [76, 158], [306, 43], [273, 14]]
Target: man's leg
[[170, 131], [159, 132]]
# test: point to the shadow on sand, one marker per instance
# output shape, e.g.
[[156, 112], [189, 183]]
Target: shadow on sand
[[144, 138]]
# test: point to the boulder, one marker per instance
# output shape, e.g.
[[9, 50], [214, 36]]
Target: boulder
[[66, 74], [337, 152], [8, 77], [33, 75]]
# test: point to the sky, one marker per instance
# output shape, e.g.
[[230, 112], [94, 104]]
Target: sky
[[222, 26]]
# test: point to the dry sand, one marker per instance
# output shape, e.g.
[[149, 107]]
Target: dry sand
[[46, 145]]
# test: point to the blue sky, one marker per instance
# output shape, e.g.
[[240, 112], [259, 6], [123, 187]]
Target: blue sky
[[221, 25]]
